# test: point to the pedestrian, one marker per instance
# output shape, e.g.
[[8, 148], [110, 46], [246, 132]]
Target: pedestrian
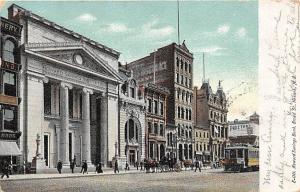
[[137, 165], [59, 166], [141, 165], [85, 167], [126, 166], [197, 165], [82, 166], [5, 169], [116, 166], [72, 166], [200, 165], [99, 168]]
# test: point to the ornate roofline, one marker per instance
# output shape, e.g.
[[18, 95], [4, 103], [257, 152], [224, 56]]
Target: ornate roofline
[[51, 24]]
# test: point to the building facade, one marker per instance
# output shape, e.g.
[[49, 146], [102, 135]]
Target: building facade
[[211, 114], [131, 120], [201, 145], [156, 105], [69, 89], [244, 127], [172, 67], [10, 62]]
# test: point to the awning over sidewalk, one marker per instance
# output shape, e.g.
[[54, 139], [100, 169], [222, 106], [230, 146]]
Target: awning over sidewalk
[[9, 148]]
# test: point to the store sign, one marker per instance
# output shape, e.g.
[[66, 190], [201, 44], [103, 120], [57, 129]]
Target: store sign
[[9, 65], [10, 27], [8, 100], [10, 135]]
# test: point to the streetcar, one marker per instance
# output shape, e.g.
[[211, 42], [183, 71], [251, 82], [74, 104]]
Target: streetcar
[[241, 158]]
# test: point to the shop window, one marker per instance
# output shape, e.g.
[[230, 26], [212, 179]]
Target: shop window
[[8, 51], [9, 82]]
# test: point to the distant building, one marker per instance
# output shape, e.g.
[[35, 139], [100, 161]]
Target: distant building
[[10, 62], [245, 139], [156, 134], [244, 127], [173, 66], [210, 115]]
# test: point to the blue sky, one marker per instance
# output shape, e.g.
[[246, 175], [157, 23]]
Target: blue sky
[[226, 30]]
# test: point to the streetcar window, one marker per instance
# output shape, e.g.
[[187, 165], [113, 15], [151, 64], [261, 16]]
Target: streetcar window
[[232, 154], [240, 153]]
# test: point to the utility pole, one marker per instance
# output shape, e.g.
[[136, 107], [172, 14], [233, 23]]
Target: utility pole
[[154, 67]]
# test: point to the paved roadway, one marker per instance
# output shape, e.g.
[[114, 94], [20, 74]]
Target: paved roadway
[[206, 181]]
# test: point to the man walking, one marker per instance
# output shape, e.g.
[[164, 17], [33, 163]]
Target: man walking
[[5, 169], [59, 166], [126, 166], [72, 165], [116, 166], [85, 167]]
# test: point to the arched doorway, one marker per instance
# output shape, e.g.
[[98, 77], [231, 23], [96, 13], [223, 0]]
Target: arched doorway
[[132, 137]]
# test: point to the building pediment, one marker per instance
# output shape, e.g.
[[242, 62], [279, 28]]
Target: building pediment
[[74, 54]]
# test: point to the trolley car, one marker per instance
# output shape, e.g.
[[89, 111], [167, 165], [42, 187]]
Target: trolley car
[[241, 158]]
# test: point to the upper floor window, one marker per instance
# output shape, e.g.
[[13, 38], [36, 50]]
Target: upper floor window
[[132, 92], [190, 68], [178, 112], [149, 127], [155, 107], [181, 64], [161, 130], [149, 105], [186, 81], [161, 108], [177, 63], [185, 66], [155, 128], [177, 78], [8, 118], [9, 83], [182, 79], [47, 98], [8, 51]]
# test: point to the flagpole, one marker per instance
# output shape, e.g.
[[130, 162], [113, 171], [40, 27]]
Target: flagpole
[[178, 30]]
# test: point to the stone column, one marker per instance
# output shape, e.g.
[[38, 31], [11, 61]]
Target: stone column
[[86, 125], [64, 113], [104, 131]]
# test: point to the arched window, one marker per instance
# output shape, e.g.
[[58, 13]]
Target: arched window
[[133, 130], [8, 51]]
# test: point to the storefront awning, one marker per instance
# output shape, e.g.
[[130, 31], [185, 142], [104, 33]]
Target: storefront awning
[[9, 148]]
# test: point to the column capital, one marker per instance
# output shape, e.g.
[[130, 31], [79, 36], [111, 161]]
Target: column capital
[[86, 90], [66, 85]]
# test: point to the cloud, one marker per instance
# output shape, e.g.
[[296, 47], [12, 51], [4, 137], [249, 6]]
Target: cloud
[[151, 30], [241, 32], [116, 28], [212, 50], [223, 29], [87, 17]]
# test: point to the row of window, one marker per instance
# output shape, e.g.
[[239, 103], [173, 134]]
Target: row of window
[[184, 131], [238, 127], [204, 135], [155, 107], [157, 129], [184, 113], [183, 65], [184, 96], [185, 81], [199, 147], [219, 131], [219, 117]]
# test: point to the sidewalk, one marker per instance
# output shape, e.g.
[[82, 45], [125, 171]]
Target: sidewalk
[[76, 174], [65, 175]]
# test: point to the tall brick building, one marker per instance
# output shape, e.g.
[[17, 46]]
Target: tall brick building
[[173, 70], [210, 114]]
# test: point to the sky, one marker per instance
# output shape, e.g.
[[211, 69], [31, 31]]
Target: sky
[[227, 31]]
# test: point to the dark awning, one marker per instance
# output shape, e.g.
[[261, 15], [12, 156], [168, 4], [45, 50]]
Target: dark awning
[[9, 148]]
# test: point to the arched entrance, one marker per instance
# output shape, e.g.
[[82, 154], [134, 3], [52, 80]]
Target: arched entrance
[[132, 138]]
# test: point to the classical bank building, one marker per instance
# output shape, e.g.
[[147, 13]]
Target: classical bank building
[[69, 89]]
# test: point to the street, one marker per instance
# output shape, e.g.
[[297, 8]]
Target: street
[[206, 181]]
